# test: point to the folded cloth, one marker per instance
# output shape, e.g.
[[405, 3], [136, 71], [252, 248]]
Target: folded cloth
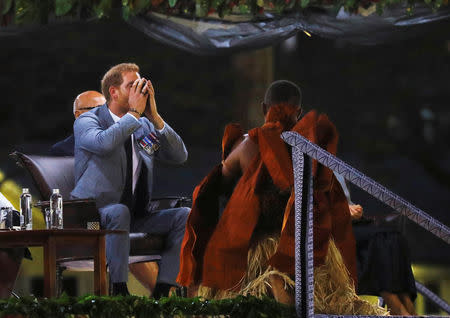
[[4, 202]]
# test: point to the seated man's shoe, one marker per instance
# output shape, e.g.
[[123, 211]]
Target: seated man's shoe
[[162, 290], [120, 289], [179, 291]]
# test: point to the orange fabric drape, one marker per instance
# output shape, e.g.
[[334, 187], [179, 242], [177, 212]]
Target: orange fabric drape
[[214, 251]]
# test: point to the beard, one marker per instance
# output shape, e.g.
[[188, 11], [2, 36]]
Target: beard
[[123, 102]]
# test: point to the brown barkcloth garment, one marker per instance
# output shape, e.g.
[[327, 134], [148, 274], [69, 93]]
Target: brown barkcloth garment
[[215, 248]]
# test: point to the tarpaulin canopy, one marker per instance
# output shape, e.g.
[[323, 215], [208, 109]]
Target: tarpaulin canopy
[[222, 26], [237, 33]]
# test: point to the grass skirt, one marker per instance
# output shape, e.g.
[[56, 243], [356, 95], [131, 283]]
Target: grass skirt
[[334, 291]]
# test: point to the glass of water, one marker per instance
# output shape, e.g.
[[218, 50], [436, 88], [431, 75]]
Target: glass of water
[[3, 214], [48, 219]]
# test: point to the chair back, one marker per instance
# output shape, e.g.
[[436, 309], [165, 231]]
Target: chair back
[[49, 173]]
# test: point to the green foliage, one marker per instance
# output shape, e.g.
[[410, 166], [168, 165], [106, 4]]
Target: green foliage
[[126, 12], [304, 3], [379, 8], [33, 11], [244, 9], [140, 5], [62, 7], [201, 8], [102, 8], [143, 307], [7, 4], [215, 4], [224, 8], [27, 12]]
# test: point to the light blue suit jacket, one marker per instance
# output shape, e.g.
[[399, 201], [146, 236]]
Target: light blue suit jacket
[[100, 159]]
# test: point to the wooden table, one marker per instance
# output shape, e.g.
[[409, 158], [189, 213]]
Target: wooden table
[[55, 241]]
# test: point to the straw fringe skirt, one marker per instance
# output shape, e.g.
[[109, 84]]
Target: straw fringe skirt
[[334, 291]]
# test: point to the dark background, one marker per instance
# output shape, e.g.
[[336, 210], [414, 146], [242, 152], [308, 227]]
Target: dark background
[[390, 103]]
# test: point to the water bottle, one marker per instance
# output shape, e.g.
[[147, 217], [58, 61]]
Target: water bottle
[[26, 215], [8, 218], [56, 210]]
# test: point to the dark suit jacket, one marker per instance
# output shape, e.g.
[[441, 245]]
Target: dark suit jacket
[[64, 147]]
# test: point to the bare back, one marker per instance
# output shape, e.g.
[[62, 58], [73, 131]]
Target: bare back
[[244, 150]]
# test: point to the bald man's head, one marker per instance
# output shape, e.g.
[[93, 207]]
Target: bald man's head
[[87, 101]]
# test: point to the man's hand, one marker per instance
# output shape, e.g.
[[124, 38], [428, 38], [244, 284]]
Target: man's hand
[[356, 211], [137, 99], [150, 110]]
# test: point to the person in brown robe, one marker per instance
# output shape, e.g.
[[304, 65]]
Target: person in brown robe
[[250, 245]]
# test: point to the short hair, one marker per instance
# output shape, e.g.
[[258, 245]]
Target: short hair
[[283, 91], [114, 77]]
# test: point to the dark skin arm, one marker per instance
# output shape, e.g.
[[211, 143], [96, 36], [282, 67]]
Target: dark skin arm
[[356, 211], [239, 159]]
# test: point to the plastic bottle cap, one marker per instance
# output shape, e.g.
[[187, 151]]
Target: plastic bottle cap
[[55, 190], [25, 190]]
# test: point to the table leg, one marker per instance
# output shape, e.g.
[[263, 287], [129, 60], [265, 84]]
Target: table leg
[[100, 267], [50, 267]]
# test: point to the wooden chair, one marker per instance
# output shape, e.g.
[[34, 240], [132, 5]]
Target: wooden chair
[[50, 173]]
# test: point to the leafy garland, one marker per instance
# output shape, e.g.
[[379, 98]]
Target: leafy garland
[[140, 307], [41, 11]]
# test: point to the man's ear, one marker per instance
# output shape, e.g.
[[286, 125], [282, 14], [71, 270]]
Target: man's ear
[[113, 92], [265, 108], [77, 114]]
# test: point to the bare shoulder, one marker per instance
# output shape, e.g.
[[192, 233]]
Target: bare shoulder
[[238, 160], [238, 142], [248, 145], [243, 146], [248, 149]]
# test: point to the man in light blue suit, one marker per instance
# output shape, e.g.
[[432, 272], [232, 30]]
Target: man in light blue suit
[[115, 150]]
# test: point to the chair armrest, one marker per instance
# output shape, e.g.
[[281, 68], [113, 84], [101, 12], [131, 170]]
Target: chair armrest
[[169, 202], [171, 197]]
